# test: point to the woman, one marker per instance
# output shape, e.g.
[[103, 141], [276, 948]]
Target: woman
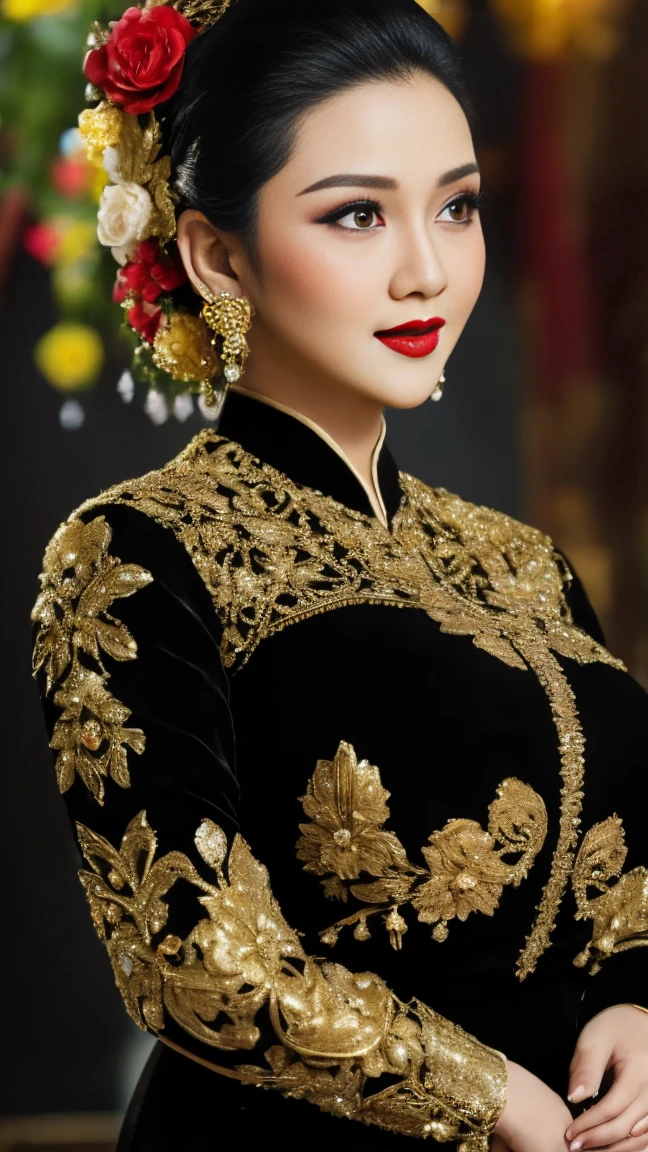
[[356, 784]]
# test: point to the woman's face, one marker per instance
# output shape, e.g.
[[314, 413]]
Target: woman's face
[[369, 226]]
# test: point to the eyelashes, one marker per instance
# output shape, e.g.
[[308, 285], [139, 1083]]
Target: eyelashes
[[473, 201]]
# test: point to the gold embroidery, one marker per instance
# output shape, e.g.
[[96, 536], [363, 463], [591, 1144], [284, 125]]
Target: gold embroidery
[[337, 1031], [80, 581], [467, 868], [620, 914], [271, 553]]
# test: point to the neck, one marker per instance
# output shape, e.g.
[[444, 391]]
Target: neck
[[352, 421]]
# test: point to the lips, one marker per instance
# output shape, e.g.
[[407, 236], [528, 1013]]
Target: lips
[[417, 338]]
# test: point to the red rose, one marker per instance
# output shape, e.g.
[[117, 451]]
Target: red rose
[[145, 322], [141, 63], [150, 274]]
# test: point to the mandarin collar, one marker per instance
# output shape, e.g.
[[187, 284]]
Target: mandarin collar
[[294, 445]]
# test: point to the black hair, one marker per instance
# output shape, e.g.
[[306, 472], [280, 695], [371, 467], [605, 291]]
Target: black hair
[[250, 77]]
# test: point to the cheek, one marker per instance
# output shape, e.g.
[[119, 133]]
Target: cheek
[[467, 272], [316, 275]]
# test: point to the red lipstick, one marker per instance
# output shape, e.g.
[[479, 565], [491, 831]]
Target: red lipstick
[[417, 338]]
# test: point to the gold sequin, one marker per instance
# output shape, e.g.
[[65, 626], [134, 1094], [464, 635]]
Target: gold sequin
[[619, 914], [336, 1032], [272, 553], [467, 866], [80, 581]]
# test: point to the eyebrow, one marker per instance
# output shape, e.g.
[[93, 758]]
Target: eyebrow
[[354, 180]]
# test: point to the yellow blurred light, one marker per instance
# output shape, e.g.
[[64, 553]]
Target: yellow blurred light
[[545, 29], [451, 14], [78, 238], [24, 10], [70, 356]]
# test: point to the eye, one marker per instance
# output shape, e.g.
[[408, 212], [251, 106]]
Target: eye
[[464, 207], [358, 217]]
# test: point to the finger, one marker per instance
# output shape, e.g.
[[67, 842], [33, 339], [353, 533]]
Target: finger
[[622, 1095], [632, 1144], [618, 1128], [590, 1059], [640, 1128]]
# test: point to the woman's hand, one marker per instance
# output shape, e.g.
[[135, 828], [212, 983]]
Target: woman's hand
[[534, 1117], [617, 1038]]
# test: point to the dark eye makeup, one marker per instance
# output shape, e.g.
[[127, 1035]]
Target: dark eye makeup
[[472, 201]]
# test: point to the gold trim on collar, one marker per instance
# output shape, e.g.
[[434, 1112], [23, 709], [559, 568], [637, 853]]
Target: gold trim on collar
[[375, 497]]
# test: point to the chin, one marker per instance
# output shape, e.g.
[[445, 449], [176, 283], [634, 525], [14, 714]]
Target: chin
[[397, 391]]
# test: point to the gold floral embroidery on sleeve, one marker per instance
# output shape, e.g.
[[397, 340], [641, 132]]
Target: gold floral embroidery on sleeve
[[80, 581], [337, 1033], [467, 866], [619, 914]]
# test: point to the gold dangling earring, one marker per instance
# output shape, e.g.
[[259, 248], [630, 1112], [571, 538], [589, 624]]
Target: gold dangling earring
[[230, 318], [438, 391]]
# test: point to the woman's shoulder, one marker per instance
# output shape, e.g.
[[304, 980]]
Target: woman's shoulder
[[481, 529], [138, 530]]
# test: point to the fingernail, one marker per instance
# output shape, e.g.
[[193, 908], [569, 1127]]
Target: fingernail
[[578, 1094], [575, 1146]]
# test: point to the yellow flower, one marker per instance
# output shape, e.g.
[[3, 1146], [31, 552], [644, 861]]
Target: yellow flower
[[70, 356], [101, 128], [182, 350], [31, 9]]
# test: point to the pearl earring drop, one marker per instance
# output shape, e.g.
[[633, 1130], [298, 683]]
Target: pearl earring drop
[[438, 391]]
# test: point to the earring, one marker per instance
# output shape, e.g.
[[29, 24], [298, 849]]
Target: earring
[[230, 318], [438, 391]]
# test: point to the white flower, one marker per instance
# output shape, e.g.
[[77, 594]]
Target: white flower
[[126, 387], [183, 407], [210, 413], [124, 212], [123, 254], [111, 163], [156, 407]]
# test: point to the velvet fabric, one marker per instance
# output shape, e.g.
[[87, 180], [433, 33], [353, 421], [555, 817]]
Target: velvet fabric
[[444, 721]]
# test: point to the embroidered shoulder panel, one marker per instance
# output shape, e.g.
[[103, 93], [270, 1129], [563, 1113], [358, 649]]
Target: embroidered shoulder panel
[[272, 552], [336, 1032], [619, 913], [80, 582], [467, 866]]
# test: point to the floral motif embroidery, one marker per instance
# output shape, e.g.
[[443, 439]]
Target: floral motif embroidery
[[272, 553], [80, 581], [467, 868], [336, 1031], [620, 914]]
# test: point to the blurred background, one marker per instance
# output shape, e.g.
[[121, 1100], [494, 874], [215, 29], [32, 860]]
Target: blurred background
[[545, 417]]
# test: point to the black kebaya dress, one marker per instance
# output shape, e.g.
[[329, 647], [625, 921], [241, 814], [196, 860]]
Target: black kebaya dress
[[360, 805]]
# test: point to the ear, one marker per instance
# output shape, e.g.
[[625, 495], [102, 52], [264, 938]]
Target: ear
[[205, 255]]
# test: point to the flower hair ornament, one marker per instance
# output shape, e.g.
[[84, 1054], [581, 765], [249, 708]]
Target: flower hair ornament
[[133, 67]]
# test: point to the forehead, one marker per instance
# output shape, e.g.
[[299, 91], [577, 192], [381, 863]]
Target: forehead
[[400, 128]]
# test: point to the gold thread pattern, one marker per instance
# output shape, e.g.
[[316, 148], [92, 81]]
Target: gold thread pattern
[[619, 914], [337, 1033], [80, 581], [467, 866], [272, 553]]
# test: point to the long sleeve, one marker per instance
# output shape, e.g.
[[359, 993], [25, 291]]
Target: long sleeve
[[127, 658], [610, 878]]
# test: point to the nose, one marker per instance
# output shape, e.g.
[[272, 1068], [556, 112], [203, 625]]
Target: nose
[[419, 268]]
